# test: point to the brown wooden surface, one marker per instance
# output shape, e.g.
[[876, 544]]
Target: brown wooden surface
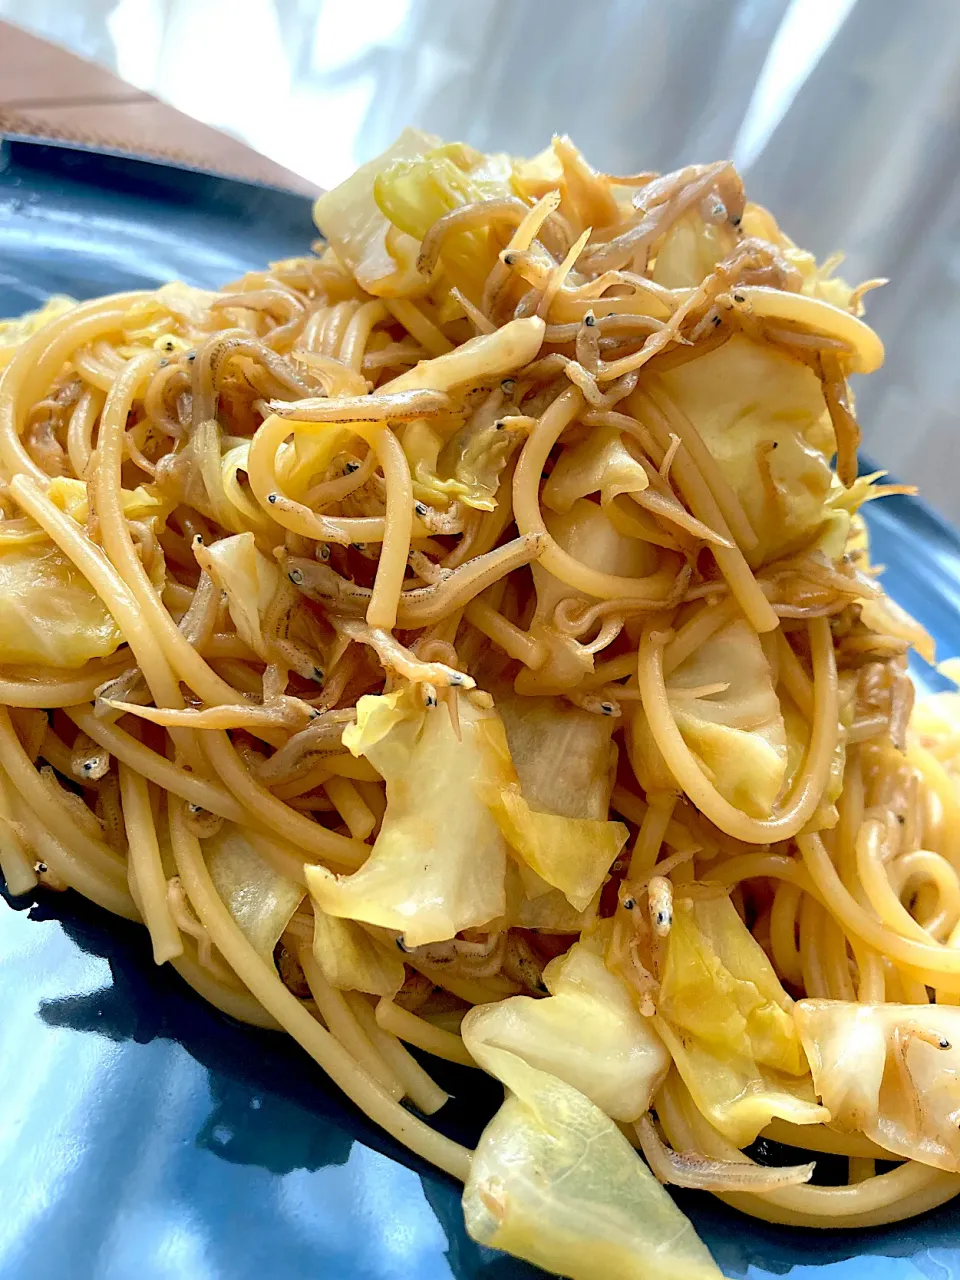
[[48, 92]]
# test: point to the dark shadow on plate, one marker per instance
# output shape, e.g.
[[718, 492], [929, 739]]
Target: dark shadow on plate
[[273, 1108]]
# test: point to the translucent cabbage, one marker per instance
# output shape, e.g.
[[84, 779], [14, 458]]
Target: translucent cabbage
[[351, 960], [689, 252], [439, 862], [587, 1033], [763, 417], [728, 712], [726, 1020], [586, 533], [349, 218], [249, 580], [49, 613], [260, 900], [554, 1181], [534, 904], [470, 465], [572, 854], [600, 463], [413, 194], [142, 503], [890, 1071], [564, 757]]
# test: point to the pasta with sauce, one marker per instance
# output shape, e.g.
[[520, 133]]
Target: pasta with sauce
[[462, 638]]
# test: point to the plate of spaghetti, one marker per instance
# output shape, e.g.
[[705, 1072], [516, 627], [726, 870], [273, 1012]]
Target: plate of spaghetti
[[455, 651]]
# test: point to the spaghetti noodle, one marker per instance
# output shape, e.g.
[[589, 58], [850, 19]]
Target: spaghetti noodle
[[459, 638]]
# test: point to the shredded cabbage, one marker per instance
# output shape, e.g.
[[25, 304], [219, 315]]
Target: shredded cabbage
[[554, 1181]]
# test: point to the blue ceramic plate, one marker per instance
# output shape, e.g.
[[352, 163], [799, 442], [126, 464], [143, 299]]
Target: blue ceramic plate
[[144, 1135]]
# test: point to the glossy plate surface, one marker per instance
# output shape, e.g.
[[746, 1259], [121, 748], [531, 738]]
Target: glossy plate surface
[[144, 1135]]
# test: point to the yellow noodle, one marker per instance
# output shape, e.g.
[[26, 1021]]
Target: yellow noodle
[[417, 1031], [653, 590], [147, 880]]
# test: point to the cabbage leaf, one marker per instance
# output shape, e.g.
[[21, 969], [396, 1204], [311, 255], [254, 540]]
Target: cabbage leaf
[[564, 757], [689, 252], [587, 1032], [728, 712], [572, 854], [600, 463], [49, 613], [261, 901], [143, 503], [763, 417], [351, 960], [891, 1071], [726, 1020], [249, 581], [554, 1181], [439, 861], [355, 227]]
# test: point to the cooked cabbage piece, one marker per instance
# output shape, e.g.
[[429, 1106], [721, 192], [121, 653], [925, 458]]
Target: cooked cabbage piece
[[439, 862], [354, 226], [763, 417], [249, 581], [572, 854], [554, 1181], [49, 614], [727, 1023], [564, 757], [260, 900], [600, 463], [727, 710], [587, 1032], [142, 503], [351, 960], [890, 1071]]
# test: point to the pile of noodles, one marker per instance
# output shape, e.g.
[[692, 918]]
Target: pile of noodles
[[525, 455]]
